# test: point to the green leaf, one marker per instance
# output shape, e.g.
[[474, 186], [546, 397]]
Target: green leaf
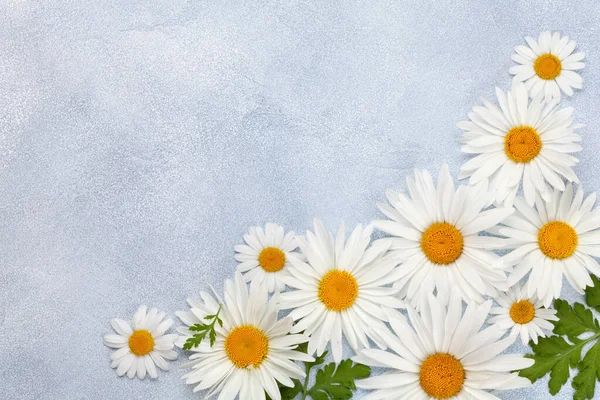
[[589, 369], [198, 327], [331, 382], [289, 393], [592, 294], [204, 329], [337, 383], [574, 321], [194, 341], [212, 336], [555, 355]]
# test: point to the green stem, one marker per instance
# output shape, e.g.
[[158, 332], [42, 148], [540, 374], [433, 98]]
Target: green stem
[[216, 318], [305, 386]]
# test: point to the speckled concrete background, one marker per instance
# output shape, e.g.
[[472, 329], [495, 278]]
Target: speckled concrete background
[[139, 139]]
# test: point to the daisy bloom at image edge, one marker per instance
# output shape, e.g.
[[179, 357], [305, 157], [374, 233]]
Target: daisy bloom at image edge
[[141, 348], [443, 355], [523, 315], [340, 289], [266, 255], [521, 142], [556, 238], [436, 236], [253, 351], [548, 66]]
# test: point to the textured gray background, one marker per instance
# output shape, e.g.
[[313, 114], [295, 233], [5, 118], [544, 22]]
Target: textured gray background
[[140, 138]]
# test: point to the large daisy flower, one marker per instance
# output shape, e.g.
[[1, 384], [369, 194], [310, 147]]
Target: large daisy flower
[[554, 238], [548, 65], [437, 239], [252, 351], [142, 347], [443, 355], [266, 255], [522, 141], [340, 289], [523, 314]]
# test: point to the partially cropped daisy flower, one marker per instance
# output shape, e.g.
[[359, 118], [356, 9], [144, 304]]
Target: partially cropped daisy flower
[[554, 238], [142, 348], [437, 239], [266, 255], [548, 65], [341, 289], [253, 351], [443, 355], [523, 314], [523, 141]]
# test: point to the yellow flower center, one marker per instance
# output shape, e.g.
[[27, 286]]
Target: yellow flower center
[[522, 312], [246, 345], [271, 259], [442, 243], [441, 376], [338, 290], [557, 240], [141, 342], [547, 66], [522, 144]]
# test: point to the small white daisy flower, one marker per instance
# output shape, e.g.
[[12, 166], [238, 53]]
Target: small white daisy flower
[[266, 255], [524, 315], [443, 355], [253, 351], [523, 141], [341, 289], [144, 346], [437, 239], [548, 65], [554, 238]]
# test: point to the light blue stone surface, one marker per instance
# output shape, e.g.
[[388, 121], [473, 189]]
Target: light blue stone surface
[[140, 138]]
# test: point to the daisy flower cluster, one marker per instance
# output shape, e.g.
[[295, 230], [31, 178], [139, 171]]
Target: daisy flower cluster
[[418, 303]]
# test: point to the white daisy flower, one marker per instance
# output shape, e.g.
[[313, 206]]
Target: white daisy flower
[[557, 237], [267, 255], [142, 348], [548, 65], [523, 314], [438, 240], [340, 289], [443, 355], [522, 141], [252, 351]]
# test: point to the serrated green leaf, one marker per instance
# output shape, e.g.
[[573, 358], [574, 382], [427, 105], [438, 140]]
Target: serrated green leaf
[[556, 355], [589, 368], [338, 383], [550, 346], [331, 382], [574, 321], [559, 375], [198, 327], [553, 355], [194, 341], [204, 329], [592, 294], [212, 336]]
